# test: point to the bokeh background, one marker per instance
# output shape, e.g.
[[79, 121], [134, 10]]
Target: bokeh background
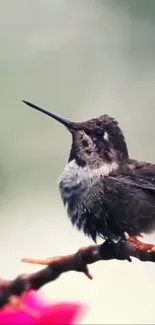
[[79, 59]]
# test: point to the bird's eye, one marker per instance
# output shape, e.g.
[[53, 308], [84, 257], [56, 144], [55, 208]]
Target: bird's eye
[[99, 132]]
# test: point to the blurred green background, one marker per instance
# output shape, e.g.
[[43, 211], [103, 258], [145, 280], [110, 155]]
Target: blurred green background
[[79, 59]]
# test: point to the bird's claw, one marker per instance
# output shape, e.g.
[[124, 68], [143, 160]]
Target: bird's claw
[[118, 249], [121, 251]]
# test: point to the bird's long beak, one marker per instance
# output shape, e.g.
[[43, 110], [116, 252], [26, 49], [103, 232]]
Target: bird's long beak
[[70, 125]]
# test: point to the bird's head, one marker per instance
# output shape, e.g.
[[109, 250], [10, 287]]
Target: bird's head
[[94, 142]]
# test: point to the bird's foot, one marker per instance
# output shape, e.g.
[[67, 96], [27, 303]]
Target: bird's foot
[[119, 249]]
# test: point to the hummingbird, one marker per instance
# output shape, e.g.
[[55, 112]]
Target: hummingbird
[[106, 193]]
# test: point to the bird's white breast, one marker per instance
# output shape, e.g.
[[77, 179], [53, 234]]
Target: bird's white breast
[[75, 183]]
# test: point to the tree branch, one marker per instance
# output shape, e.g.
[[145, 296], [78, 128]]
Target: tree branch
[[75, 262]]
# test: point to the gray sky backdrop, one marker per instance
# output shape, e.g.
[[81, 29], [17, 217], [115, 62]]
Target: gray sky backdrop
[[80, 59]]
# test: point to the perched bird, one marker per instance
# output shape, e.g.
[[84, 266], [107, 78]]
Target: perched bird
[[106, 193]]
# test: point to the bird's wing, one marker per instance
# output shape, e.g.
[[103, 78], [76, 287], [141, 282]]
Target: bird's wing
[[138, 174], [122, 201], [122, 185]]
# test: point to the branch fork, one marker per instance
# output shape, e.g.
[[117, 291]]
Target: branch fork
[[79, 261]]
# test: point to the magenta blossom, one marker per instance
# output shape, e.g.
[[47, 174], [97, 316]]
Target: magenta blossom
[[35, 309]]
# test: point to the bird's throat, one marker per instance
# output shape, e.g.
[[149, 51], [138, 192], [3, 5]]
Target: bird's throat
[[75, 175]]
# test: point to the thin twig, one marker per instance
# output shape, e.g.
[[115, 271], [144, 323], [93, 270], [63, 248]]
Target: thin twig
[[75, 262]]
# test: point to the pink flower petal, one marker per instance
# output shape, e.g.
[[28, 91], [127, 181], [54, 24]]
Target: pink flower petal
[[16, 317], [35, 300], [32, 304], [36, 309], [61, 313]]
